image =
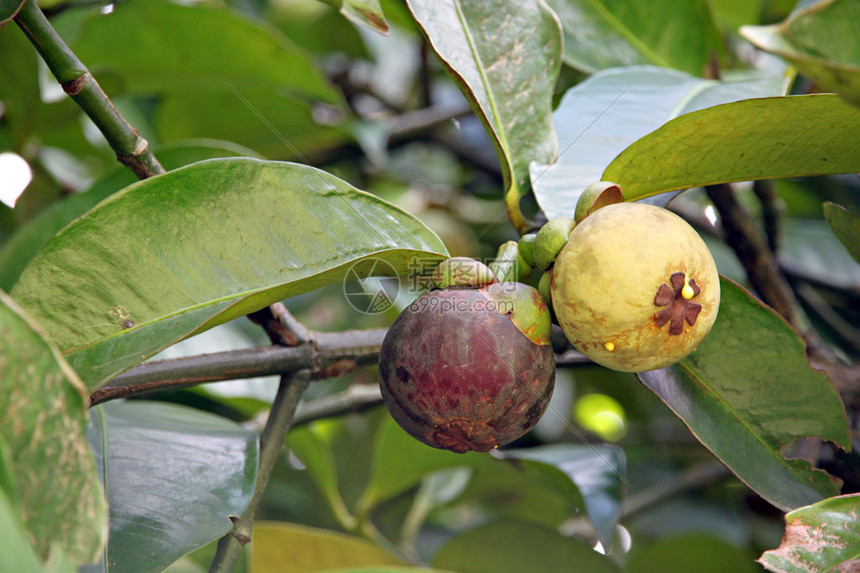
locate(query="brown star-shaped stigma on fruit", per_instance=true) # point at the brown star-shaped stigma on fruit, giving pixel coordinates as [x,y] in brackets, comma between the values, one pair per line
[677,301]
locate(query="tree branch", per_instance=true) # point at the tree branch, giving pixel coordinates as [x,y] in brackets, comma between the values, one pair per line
[131,150]
[323,354]
[752,250]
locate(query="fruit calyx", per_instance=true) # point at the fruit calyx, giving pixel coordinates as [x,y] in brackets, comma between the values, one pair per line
[461,435]
[462,272]
[678,303]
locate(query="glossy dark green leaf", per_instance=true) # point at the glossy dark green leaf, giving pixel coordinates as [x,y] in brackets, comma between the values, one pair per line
[600,117]
[602,34]
[173,475]
[699,553]
[746,410]
[764,138]
[821,41]
[29,238]
[179,253]
[846,226]
[44,430]
[8,9]
[598,473]
[514,547]
[821,537]
[291,548]
[507,75]
[193,48]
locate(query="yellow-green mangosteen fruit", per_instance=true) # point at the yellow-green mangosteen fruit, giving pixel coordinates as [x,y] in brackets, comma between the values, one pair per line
[635,288]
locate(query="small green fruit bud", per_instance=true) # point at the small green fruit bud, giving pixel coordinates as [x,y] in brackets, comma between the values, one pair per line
[551,238]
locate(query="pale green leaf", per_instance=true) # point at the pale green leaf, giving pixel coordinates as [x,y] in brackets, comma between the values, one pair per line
[44,425]
[766,138]
[600,117]
[846,226]
[291,548]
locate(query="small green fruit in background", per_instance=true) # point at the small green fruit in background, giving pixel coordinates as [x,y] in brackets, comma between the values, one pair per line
[550,240]
[635,287]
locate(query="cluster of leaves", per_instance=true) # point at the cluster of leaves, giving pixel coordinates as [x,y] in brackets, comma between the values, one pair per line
[105,272]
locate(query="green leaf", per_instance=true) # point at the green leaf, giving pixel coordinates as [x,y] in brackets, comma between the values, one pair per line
[19,90]
[821,537]
[767,138]
[602,34]
[9,9]
[747,409]
[846,226]
[597,472]
[367,13]
[17,555]
[507,75]
[44,424]
[600,117]
[388,569]
[810,246]
[173,475]
[272,123]
[290,548]
[196,247]
[821,41]
[699,553]
[511,546]
[29,238]
[400,461]
[194,48]
[315,452]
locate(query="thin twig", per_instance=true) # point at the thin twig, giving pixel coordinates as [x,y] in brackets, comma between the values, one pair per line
[131,149]
[279,422]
